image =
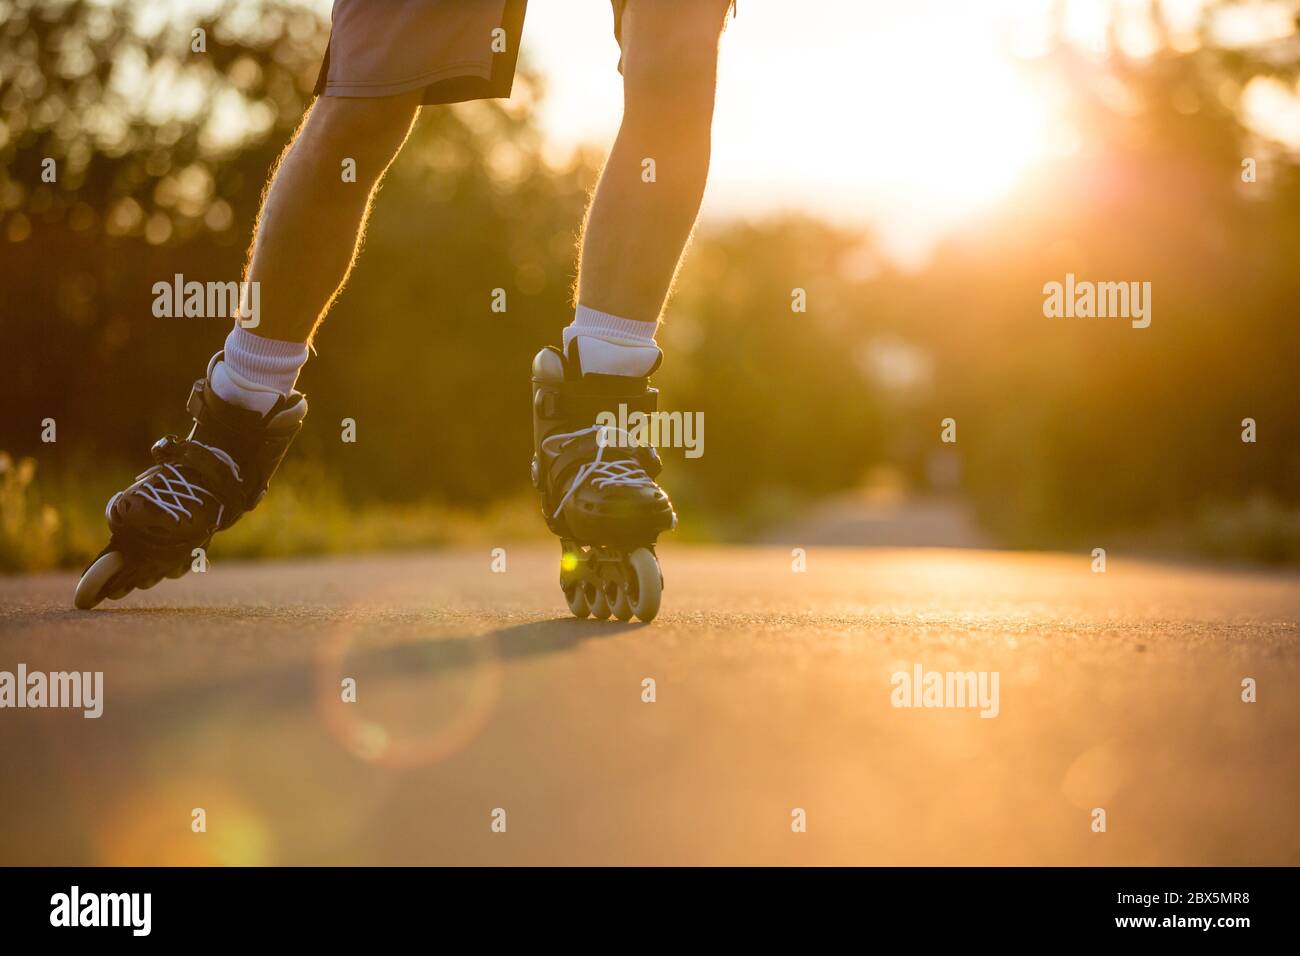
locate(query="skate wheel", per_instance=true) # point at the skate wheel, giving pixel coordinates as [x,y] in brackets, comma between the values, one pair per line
[90,589]
[577,600]
[645,584]
[621,606]
[598,602]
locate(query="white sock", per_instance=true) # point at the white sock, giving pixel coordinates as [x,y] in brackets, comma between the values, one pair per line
[608,345]
[257,371]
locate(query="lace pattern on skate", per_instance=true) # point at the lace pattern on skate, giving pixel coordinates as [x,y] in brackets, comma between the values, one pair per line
[170,495]
[601,473]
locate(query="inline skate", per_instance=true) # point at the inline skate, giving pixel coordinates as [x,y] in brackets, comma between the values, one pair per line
[197,486]
[597,487]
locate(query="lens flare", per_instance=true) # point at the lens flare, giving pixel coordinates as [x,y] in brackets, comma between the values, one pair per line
[416,702]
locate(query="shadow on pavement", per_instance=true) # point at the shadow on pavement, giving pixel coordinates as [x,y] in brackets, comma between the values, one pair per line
[519,641]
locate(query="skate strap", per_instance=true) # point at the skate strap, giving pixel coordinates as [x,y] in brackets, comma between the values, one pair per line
[584,407]
[245,436]
[240,431]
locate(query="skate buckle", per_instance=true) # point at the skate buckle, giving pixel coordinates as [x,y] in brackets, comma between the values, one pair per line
[194,405]
[164,449]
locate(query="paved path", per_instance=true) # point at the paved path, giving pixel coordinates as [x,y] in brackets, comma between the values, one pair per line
[476,691]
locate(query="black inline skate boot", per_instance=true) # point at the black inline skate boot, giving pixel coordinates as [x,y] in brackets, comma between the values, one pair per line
[198,486]
[597,487]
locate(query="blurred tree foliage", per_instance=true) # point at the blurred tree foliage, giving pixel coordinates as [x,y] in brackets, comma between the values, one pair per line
[1067,427]
[1072,427]
[162,154]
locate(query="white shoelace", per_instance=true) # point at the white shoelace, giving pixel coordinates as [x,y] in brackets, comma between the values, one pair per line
[182,489]
[602,473]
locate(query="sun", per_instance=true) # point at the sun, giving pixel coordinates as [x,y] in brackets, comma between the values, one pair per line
[906,117]
[909,116]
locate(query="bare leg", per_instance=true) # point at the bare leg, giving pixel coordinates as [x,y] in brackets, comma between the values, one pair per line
[635,230]
[312,221]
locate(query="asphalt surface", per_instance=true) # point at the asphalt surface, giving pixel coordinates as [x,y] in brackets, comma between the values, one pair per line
[477,692]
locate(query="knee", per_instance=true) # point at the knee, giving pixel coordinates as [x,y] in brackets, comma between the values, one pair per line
[370,130]
[670,58]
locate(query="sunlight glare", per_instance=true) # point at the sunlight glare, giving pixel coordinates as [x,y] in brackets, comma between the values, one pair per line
[908,116]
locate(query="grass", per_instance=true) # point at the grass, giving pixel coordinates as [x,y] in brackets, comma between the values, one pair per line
[32,532]
[58,522]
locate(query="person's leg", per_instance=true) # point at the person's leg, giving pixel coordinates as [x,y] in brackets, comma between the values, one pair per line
[306,237]
[597,481]
[636,229]
[312,220]
[246,411]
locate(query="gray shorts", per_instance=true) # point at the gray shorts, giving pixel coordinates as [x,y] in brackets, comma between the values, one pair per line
[454,50]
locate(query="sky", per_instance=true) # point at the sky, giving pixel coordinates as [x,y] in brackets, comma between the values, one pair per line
[854,110]
[908,117]
[904,116]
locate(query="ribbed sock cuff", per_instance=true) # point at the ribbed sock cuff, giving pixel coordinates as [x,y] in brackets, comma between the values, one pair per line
[269,362]
[588,321]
